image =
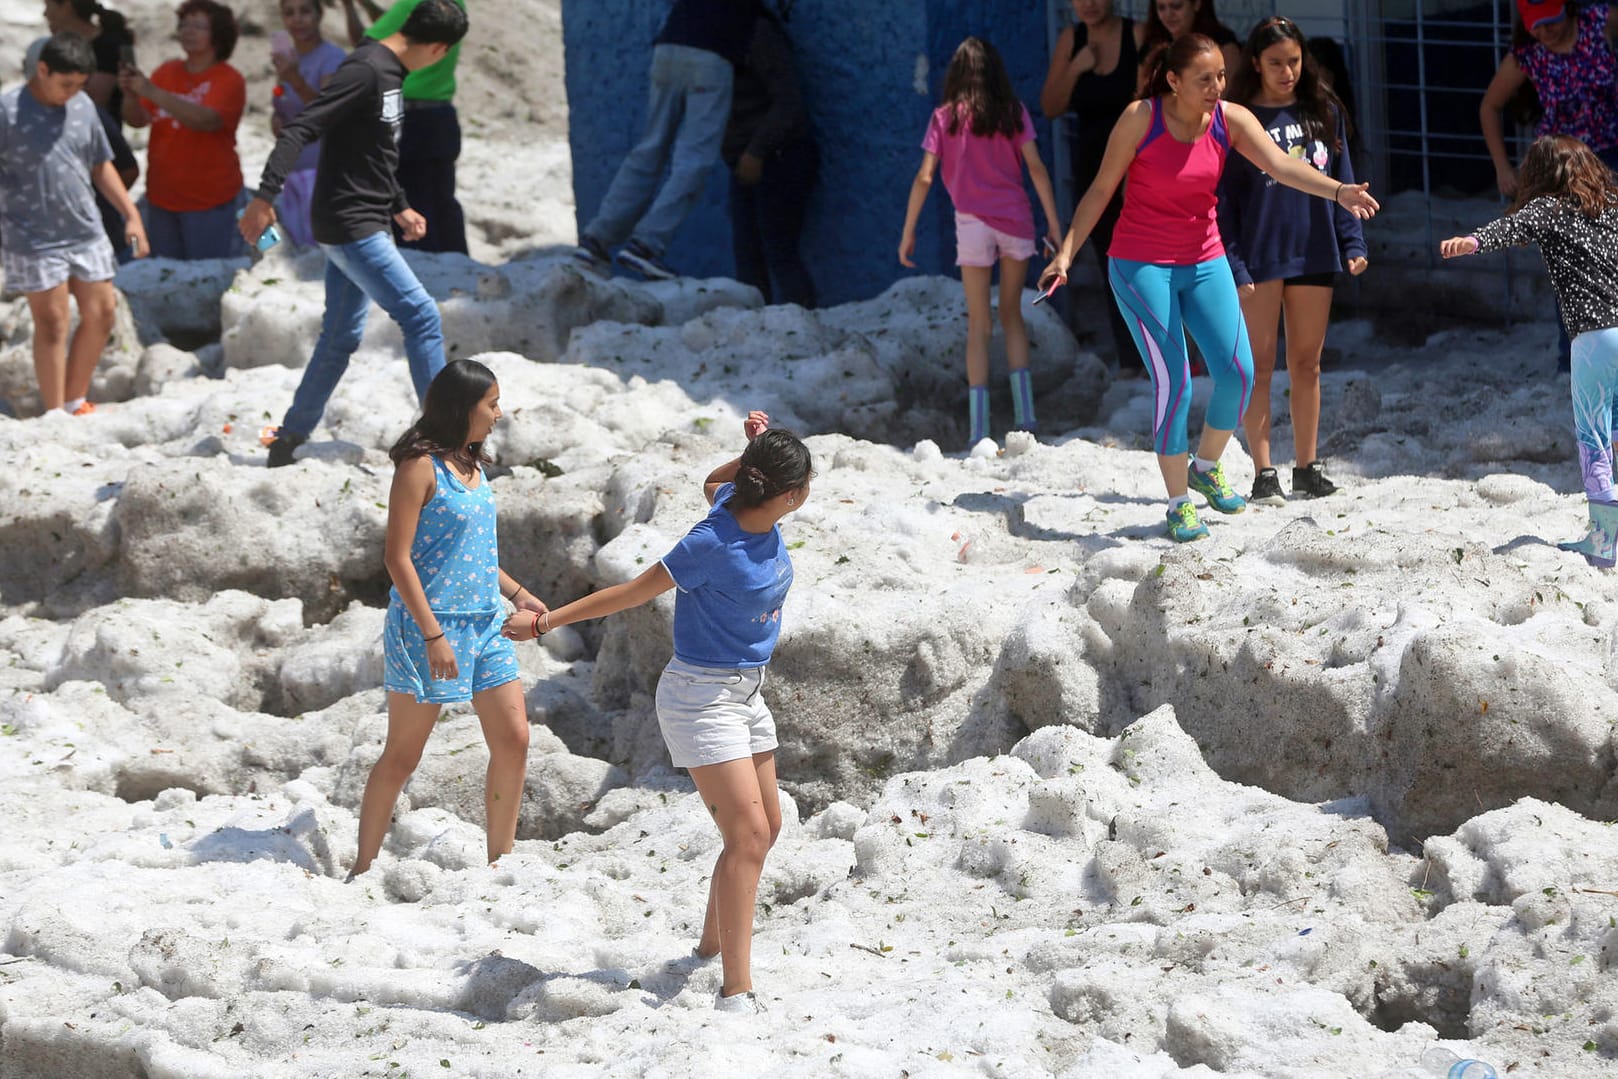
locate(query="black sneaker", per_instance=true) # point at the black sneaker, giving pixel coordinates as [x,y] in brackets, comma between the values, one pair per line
[1311,482]
[282,448]
[638,257]
[591,256]
[1267,488]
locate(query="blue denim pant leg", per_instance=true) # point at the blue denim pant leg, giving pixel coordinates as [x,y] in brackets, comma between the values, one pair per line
[357,273]
[688,102]
[341,328]
[705,81]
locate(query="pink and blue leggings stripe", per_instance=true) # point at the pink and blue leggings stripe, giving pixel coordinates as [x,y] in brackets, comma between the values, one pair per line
[1160,303]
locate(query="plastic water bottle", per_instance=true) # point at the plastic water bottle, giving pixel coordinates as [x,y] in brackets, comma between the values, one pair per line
[1439,1061]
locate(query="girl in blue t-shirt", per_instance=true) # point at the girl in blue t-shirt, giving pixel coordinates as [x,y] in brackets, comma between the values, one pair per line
[732,572]
[1285,248]
[441,642]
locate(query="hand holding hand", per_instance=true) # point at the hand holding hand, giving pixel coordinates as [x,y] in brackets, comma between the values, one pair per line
[412,224]
[441,665]
[1457,246]
[527,601]
[755,424]
[1357,265]
[258,216]
[519,626]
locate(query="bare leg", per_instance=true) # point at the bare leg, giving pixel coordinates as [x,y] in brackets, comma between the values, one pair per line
[977,280]
[504,717]
[98,305]
[52,317]
[409,724]
[741,795]
[1013,275]
[1308,310]
[1262,309]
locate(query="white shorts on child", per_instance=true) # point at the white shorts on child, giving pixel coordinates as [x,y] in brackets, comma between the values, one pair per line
[44,270]
[978,244]
[710,715]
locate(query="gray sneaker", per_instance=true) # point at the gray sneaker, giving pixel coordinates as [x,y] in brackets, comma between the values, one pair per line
[590,256]
[640,258]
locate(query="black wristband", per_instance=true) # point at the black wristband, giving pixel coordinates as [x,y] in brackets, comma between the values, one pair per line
[429,640]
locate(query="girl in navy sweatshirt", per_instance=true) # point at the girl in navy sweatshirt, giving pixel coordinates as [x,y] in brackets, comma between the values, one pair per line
[1285,248]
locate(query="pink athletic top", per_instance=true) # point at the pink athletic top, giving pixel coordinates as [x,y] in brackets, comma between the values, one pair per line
[983,173]
[1171,198]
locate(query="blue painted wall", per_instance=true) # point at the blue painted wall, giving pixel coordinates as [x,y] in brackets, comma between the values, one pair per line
[860,64]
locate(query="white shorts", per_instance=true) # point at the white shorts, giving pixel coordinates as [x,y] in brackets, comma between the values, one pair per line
[980,244]
[44,270]
[710,715]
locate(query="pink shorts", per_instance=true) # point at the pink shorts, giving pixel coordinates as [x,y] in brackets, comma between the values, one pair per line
[978,244]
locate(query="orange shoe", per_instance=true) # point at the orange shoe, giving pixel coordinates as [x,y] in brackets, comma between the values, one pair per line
[84,409]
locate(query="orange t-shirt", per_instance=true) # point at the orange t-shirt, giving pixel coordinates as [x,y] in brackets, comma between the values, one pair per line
[195,170]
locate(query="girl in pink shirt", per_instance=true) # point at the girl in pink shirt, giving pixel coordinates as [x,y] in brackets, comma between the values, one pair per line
[980,139]
[1167,263]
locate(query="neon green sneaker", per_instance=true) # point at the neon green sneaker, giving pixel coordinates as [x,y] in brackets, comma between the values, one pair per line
[1216,489]
[1184,525]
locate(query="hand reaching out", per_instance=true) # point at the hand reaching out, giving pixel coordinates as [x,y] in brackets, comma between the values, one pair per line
[1456,246]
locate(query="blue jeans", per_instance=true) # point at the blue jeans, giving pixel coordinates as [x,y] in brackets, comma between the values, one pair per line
[766,220]
[1160,303]
[686,112]
[357,273]
[194,234]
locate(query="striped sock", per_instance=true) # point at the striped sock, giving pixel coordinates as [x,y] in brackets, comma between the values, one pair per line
[1022,398]
[977,414]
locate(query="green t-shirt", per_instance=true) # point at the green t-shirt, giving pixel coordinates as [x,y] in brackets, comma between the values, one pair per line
[436,82]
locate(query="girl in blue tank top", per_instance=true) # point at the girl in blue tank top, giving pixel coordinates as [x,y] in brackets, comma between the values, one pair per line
[733,572]
[442,641]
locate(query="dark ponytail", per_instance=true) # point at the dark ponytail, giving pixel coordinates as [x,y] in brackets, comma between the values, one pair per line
[775,462]
[113,24]
[1176,57]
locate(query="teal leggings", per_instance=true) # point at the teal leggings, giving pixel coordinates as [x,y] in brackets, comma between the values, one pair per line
[1160,303]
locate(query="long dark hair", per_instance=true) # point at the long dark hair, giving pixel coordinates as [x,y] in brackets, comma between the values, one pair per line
[111,22]
[1205,23]
[1176,58]
[1317,107]
[775,462]
[446,416]
[1565,168]
[977,84]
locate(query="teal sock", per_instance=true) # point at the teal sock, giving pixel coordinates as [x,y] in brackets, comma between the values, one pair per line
[1022,398]
[977,414]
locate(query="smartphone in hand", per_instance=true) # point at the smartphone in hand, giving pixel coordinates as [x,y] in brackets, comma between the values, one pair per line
[281,44]
[126,56]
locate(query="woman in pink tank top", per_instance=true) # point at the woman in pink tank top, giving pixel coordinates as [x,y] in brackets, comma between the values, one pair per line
[1167,264]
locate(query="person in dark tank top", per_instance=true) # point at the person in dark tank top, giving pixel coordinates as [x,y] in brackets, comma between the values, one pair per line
[1092,76]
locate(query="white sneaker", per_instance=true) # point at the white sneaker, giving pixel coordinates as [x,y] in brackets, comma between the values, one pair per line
[740,1003]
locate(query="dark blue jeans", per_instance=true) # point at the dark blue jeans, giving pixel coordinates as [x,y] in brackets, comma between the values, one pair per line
[766,220]
[429,144]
